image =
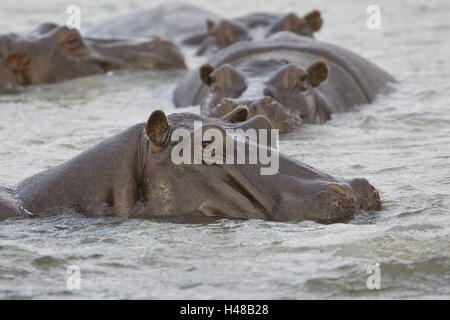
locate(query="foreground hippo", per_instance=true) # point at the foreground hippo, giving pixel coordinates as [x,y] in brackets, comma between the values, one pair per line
[288,78]
[52,54]
[132,174]
[191,25]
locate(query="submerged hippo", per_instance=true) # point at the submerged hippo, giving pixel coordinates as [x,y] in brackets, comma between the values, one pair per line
[253,26]
[288,78]
[132,174]
[52,54]
[191,25]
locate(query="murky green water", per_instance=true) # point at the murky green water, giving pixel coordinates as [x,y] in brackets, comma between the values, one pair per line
[401,144]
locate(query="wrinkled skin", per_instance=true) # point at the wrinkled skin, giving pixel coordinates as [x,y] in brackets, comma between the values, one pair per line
[132,175]
[52,54]
[288,78]
[190,25]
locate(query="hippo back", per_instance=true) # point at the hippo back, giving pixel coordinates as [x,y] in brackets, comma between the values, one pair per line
[368,77]
[174,21]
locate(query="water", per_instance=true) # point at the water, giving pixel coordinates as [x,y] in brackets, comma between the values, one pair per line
[400,144]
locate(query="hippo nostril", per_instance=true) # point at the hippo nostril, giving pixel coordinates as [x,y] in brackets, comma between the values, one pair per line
[369,198]
[339,189]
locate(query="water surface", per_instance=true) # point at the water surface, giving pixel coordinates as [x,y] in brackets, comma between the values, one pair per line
[401,144]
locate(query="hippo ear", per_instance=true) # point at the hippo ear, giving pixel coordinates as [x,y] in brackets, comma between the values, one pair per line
[158,129]
[205,74]
[314,20]
[238,114]
[318,72]
[290,22]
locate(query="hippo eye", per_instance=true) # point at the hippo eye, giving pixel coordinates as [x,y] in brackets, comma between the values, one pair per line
[73,43]
[71,39]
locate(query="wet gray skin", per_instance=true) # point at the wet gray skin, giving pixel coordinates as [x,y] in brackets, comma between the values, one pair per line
[132,175]
[52,54]
[288,78]
[208,32]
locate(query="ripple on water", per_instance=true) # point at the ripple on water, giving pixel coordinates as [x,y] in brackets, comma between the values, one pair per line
[47,262]
[400,143]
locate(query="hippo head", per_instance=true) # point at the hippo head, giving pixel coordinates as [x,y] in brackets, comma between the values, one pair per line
[52,54]
[295,192]
[284,92]
[225,32]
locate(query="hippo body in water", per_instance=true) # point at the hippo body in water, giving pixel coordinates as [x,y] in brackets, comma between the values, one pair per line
[208,32]
[54,53]
[132,175]
[51,54]
[288,78]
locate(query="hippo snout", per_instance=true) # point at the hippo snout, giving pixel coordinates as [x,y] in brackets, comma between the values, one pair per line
[331,202]
[367,196]
[344,200]
[282,118]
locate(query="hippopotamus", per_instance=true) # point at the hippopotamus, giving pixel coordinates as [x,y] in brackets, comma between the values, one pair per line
[253,26]
[288,78]
[132,174]
[191,25]
[53,53]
